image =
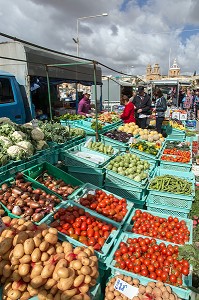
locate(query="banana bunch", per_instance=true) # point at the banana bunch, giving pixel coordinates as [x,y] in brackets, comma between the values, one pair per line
[176,125]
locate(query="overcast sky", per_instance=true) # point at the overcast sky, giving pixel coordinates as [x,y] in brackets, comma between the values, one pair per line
[135,32]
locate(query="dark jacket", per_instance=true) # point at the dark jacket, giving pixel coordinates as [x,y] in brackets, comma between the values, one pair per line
[143,103]
[161,107]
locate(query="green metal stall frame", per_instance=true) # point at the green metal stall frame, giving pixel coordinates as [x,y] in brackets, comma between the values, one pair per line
[94,63]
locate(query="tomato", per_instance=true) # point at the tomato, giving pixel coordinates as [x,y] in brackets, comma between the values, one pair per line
[172,278]
[124,249]
[92,241]
[185,271]
[185,263]
[152,275]
[90,233]
[136,269]
[122,265]
[144,272]
[164,276]
[151,268]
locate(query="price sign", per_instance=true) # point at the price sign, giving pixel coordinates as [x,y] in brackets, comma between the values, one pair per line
[125,288]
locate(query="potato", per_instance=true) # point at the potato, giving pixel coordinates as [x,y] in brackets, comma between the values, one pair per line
[65,283]
[77,250]
[87,279]
[51,238]
[85,261]
[44,246]
[84,288]
[18,251]
[58,296]
[6,256]
[88,251]
[49,284]
[63,272]
[15,276]
[51,250]
[27,278]
[54,290]
[157,292]
[165,295]
[14,261]
[25,259]
[70,293]
[36,271]
[148,290]
[7,271]
[62,263]
[37,241]
[76,264]
[110,296]
[47,271]
[78,280]
[14,295]
[2,264]
[21,286]
[25,296]
[38,281]
[6,219]
[60,249]
[32,290]
[45,256]
[67,247]
[36,255]
[29,246]
[24,269]
[76,297]
[86,270]
[42,295]
[5,245]
[86,297]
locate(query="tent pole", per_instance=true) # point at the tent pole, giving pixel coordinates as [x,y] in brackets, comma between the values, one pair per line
[108,92]
[100,97]
[76,97]
[49,95]
[95,94]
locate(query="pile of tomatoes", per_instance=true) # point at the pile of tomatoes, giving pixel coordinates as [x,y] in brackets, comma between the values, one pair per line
[145,257]
[176,155]
[81,226]
[171,229]
[107,205]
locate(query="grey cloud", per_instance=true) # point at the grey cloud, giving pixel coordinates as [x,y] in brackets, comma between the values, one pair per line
[114,30]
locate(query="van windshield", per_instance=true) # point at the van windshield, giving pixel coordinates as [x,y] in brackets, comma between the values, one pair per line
[6,93]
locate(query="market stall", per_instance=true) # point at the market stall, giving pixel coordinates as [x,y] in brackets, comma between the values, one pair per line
[111,219]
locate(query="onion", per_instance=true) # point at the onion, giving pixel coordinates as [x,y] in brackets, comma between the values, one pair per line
[16,210]
[4,187]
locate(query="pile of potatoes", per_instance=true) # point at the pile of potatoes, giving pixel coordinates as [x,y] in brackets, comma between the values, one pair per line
[34,263]
[153,290]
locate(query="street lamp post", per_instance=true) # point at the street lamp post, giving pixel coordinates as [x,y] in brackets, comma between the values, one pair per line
[82,18]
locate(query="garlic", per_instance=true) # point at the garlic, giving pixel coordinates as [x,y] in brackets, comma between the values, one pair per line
[16,210]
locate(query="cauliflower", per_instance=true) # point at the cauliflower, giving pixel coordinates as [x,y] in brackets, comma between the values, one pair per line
[27,147]
[28,125]
[5,142]
[16,152]
[18,136]
[41,145]
[5,120]
[37,134]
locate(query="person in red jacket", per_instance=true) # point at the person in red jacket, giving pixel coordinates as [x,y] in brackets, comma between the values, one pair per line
[128,114]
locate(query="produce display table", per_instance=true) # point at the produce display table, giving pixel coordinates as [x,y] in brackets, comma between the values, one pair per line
[75,203]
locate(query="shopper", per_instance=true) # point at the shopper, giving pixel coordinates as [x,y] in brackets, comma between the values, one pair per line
[142,104]
[84,106]
[160,109]
[128,114]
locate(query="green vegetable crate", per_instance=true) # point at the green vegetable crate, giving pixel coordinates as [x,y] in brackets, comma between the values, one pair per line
[80,156]
[85,125]
[146,156]
[109,243]
[183,293]
[122,147]
[34,172]
[89,188]
[35,185]
[92,175]
[171,199]
[176,137]
[165,209]
[69,145]
[129,223]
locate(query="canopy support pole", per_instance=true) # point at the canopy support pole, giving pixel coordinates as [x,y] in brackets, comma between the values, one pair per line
[95,94]
[49,95]
[100,97]
[108,93]
[76,102]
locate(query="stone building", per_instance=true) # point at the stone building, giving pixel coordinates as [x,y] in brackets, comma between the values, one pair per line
[174,70]
[153,73]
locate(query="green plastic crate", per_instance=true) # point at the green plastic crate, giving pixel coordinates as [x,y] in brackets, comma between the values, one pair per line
[187,280]
[87,127]
[109,243]
[69,122]
[146,156]
[72,160]
[173,211]
[176,137]
[122,147]
[171,199]
[129,223]
[33,173]
[94,176]
[35,185]
[89,188]
[132,194]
